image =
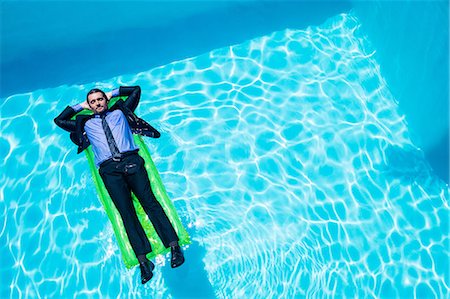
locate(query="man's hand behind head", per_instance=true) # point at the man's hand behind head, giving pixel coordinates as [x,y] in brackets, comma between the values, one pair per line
[85,105]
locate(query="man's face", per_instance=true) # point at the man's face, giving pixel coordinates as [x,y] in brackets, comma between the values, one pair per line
[97,102]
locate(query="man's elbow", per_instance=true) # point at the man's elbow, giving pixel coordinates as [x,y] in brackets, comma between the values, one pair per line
[137,90]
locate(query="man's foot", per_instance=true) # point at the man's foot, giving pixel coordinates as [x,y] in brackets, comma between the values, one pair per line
[146,271]
[177,258]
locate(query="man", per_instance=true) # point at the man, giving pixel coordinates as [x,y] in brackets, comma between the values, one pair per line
[109,131]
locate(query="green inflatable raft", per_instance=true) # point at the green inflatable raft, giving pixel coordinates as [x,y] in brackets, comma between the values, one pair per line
[128,255]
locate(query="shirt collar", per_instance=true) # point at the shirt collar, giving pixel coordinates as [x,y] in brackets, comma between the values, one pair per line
[98,115]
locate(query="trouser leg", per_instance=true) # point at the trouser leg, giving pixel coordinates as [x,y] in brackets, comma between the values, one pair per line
[120,194]
[140,185]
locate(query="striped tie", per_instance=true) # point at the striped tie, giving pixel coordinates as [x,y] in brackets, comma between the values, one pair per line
[110,138]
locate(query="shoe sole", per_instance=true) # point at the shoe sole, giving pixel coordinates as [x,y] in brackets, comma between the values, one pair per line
[144,281]
[152,267]
[177,265]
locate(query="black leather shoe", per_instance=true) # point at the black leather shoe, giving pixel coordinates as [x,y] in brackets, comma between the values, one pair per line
[146,271]
[177,258]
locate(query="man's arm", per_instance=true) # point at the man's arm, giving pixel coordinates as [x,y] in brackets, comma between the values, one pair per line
[133,93]
[64,119]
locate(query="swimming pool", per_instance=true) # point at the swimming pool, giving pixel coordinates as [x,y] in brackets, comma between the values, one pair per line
[286,155]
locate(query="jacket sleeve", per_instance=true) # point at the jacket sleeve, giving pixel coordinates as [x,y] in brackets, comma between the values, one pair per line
[155,133]
[64,120]
[133,93]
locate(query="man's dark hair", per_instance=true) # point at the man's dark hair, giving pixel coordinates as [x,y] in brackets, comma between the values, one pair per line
[94,90]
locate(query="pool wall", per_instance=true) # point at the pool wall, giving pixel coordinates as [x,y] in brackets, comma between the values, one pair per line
[411,43]
[101,39]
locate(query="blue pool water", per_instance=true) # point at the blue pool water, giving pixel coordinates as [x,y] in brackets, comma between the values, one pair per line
[287,157]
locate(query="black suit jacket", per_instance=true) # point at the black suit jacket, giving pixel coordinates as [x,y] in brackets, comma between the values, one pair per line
[137,125]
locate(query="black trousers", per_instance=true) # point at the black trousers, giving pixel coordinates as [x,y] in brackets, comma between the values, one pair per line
[122,177]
